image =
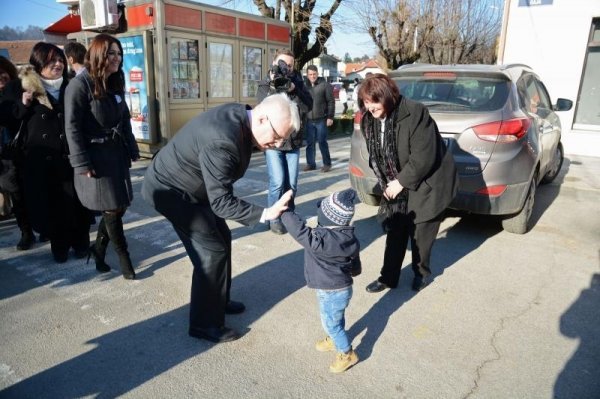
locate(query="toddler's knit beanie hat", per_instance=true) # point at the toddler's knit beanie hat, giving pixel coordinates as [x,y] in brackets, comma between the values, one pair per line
[337,209]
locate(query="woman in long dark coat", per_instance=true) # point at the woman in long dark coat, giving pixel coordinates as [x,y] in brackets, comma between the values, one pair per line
[416,173]
[52,204]
[102,145]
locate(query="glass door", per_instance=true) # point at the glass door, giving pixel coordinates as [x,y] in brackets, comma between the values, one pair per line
[220,70]
[251,65]
[587,115]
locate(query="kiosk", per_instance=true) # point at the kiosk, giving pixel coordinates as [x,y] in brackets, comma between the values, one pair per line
[182,58]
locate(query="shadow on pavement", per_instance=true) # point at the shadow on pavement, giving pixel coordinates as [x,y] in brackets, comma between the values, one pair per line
[546,194]
[580,378]
[452,245]
[124,359]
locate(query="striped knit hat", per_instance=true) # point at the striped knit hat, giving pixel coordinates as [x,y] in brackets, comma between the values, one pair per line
[337,209]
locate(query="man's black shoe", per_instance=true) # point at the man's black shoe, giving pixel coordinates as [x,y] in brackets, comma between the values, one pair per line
[234,307]
[214,334]
[376,286]
[26,241]
[421,282]
[80,253]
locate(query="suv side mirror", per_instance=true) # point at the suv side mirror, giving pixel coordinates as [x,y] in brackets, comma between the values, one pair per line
[562,104]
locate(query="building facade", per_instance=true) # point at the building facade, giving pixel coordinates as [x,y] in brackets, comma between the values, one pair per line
[560,40]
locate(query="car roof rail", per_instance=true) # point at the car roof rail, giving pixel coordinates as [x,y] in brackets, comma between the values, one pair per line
[515,65]
[414,64]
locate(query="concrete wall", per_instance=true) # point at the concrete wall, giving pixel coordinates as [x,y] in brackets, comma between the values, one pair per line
[553,39]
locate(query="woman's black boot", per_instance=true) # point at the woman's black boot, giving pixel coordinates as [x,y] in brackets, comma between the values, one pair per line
[27,240]
[114,227]
[98,250]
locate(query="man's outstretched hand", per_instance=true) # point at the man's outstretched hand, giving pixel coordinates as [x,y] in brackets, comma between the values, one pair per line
[279,207]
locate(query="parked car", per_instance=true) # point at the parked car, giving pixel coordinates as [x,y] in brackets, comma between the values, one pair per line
[500,125]
[336,89]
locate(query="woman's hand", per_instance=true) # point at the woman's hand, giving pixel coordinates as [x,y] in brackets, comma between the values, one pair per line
[392,190]
[27,98]
[279,207]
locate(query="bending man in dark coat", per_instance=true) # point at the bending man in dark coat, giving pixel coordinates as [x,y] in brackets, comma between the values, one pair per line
[190,182]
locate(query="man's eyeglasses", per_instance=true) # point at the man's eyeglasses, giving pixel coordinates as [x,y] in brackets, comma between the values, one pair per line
[277,135]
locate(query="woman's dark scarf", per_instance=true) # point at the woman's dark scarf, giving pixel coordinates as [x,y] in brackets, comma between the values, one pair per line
[383,159]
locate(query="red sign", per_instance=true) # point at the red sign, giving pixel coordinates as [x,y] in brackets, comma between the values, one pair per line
[136,76]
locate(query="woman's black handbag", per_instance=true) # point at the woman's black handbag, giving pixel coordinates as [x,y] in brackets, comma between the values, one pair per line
[392,209]
[13,148]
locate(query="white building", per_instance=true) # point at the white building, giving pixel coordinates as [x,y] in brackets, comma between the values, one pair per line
[560,40]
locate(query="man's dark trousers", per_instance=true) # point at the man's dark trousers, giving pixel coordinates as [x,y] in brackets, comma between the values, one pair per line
[207,240]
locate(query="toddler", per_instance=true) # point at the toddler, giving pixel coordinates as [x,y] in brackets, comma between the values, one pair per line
[331,258]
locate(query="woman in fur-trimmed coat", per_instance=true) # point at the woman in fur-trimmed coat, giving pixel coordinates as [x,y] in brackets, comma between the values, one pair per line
[37,100]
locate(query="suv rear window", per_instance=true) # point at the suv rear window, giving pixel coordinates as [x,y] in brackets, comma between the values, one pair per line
[455,93]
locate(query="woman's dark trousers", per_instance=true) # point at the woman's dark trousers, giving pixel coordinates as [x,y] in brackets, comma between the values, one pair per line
[421,235]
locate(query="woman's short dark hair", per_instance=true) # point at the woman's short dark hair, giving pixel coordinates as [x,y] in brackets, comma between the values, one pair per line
[8,67]
[43,54]
[379,88]
[96,60]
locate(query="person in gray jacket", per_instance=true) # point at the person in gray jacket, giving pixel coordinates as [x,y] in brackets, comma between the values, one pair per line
[190,181]
[319,118]
[102,145]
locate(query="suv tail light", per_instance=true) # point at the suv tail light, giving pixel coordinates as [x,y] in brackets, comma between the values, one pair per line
[505,131]
[357,117]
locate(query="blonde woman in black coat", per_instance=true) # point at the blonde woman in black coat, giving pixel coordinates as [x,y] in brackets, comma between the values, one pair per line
[102,146]
[38,102]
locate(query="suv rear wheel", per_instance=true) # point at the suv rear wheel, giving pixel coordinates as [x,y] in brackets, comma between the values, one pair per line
[519,222]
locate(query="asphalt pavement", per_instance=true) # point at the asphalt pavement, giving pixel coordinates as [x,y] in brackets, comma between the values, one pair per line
[507,316]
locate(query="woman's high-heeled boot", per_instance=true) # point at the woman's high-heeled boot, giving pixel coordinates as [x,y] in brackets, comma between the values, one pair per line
[114,227]
[98,250]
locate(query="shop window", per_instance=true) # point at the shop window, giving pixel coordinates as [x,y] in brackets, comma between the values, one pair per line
[185,76]
[221,70]
[251,70]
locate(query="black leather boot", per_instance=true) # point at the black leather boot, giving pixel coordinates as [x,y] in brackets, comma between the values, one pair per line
[98,250]
[114,227]
[27,240]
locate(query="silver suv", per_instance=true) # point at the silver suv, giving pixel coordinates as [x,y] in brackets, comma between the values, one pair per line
[500,125]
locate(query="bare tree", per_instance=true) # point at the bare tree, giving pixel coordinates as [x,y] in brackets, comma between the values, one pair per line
[301,14]
[393,27]
[461,32]
[431,31]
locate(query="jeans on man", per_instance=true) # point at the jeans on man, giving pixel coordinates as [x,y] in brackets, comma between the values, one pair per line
[317,130]
[332,304]
[282,167]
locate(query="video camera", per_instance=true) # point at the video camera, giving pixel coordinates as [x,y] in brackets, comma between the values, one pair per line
[281,77]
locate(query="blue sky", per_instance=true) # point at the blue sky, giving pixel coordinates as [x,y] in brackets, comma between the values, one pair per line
[22,13]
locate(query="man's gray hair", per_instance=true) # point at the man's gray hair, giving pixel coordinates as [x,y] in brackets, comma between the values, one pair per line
[279,107]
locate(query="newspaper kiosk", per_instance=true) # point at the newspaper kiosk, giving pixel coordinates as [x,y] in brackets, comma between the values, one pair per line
[182,58]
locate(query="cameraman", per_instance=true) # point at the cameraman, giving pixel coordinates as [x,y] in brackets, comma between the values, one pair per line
[283,162]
